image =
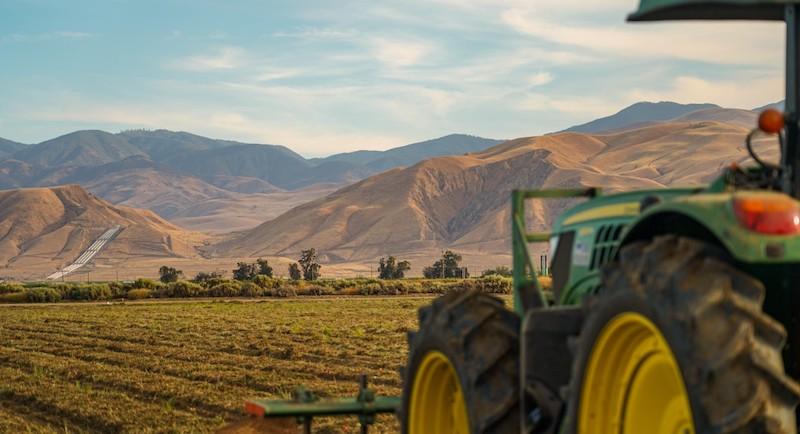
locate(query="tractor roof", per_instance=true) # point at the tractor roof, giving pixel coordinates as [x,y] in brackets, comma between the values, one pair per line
[657,10]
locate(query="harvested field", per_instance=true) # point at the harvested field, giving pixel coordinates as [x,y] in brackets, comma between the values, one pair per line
[189,366]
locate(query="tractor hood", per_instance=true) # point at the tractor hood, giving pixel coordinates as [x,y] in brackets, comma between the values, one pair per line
[659,10]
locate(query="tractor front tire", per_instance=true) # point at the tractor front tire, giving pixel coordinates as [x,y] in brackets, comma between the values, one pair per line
[463,368]
[677,343]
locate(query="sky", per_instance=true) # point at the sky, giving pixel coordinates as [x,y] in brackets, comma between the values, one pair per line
[331,76]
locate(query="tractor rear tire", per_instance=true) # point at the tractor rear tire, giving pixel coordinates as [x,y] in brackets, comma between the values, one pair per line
[473,339]
[727,351]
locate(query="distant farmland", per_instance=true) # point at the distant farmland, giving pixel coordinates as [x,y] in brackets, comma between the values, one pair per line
[189,366]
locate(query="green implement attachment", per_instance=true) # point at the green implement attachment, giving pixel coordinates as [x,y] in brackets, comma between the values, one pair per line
[305,405]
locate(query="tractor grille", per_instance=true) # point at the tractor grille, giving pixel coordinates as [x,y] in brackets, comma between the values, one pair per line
[606,243]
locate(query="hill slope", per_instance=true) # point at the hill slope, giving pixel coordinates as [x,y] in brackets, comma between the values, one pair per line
[81,148]
[8,147]
[46,228]
[378,161]
[462,202]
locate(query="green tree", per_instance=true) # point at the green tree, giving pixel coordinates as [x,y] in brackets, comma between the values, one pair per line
[294,271]
[497,271]
[449,266]
[244,271]
[169,274]
[264,269]
[389,268]
[308,262]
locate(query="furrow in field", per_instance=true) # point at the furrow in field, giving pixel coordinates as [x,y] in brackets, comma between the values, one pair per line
[19,418]
[94,410]
[191,397]
[269,357]
[261,374]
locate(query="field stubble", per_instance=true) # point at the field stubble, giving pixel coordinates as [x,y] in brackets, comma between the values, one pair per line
[188,367]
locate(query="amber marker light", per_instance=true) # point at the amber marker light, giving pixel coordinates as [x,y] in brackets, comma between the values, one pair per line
[770,121]
[768,214]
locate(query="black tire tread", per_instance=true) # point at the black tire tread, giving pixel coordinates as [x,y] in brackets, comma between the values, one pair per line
[728,348]
[463,323]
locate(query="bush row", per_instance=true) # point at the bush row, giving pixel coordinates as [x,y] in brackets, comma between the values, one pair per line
[260,286]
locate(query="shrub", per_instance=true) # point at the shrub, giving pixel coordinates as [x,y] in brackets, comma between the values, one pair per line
[180,289]
[146,284]
[227,289]
[250,289]
[213,282]
[203,277]
[10,288]
[497,271]
[284,291]
[315,290]
[118,289]
[267,282]
[14,297]
[42,295]
[92,291]
[371,289]
[139,294]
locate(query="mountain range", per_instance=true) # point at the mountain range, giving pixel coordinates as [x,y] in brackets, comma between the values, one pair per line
[412,201]
[461,202]
[175,173]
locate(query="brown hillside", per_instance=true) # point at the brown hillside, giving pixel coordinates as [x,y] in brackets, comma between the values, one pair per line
[462,202]
[47,228]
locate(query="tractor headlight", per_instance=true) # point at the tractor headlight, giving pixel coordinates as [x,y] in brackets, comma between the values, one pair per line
[766,213]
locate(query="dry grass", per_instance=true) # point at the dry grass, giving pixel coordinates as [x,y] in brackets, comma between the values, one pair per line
[189,366]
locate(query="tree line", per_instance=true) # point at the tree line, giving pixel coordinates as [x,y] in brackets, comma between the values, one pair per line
[308,268]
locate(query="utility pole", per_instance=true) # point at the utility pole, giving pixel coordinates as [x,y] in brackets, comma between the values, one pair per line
[442,264]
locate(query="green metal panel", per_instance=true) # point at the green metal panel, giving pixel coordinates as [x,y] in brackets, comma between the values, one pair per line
[714,211]
[657,10]
[594,245]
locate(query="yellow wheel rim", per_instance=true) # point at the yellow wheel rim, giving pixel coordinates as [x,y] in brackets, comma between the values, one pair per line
[632,383]
[437,402]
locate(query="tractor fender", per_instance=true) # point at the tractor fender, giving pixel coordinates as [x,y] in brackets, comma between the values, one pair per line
[710,218]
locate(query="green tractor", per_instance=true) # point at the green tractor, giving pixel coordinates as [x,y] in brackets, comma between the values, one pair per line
[672,311]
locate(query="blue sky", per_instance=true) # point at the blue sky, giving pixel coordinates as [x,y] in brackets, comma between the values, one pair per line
[329,76]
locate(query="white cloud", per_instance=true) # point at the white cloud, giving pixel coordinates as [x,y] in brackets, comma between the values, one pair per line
[398,53]
[28,37]
[744,92]
[727,43]
[322,33]
[541,79]
[575,106]
[222,58]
